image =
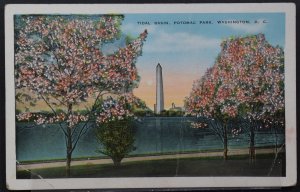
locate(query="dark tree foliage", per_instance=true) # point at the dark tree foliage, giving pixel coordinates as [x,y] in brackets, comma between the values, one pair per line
[116,139]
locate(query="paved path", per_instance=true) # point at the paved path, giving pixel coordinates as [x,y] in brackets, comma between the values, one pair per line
[143,158]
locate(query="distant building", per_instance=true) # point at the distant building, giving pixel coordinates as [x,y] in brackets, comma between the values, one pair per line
[174,108]
[173,105]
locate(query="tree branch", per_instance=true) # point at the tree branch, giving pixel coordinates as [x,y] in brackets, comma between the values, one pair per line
[216,130]
[81,132]
[64,131]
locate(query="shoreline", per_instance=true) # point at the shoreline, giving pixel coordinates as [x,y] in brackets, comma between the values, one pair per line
[232,152]
[25,162]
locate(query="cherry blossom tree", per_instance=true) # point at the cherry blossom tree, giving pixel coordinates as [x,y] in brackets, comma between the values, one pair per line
[208,105]
[247,81]
[58,59]
[259,72]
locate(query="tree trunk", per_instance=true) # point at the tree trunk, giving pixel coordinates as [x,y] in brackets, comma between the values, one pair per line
[276,148]
[117,162]
[225,155]
[252,144]
[69,144]
[68,165]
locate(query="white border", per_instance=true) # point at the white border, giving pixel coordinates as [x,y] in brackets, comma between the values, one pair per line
[161,182]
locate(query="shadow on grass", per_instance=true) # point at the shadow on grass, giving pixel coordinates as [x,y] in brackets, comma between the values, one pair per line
[186,167]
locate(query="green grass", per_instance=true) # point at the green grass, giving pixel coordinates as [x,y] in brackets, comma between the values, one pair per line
[131,155]
[204,166]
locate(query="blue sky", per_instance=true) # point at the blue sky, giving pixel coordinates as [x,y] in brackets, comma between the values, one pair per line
[185,51]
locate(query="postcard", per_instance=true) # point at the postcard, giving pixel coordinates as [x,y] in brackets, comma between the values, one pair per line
[154,96]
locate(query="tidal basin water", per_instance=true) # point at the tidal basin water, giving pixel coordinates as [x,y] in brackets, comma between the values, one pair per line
[153,135]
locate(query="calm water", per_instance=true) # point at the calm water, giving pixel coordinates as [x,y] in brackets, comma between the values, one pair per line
[153,135]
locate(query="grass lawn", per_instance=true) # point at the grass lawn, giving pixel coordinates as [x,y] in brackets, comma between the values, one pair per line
[204,166]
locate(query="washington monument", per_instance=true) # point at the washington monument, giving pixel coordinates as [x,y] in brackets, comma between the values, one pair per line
[159,90]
